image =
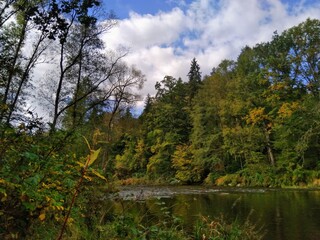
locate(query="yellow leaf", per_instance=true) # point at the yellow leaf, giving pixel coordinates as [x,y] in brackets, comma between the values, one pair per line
[80,164]
[256,115]
[87,142]
[88,178]
[98,174]
[4,198]
[57,217]
[93,156]
[59,208]
[42,216]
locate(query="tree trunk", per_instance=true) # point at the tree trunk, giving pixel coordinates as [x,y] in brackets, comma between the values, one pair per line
[269,148]
[58,92]
[13,65]
[24,78]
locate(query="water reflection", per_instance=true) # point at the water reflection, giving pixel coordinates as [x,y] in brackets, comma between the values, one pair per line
[284,214]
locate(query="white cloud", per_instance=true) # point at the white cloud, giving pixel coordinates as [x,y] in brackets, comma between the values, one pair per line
[140,31]
[210,30]
[157,62]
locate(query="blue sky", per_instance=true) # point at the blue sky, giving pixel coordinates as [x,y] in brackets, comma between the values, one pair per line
[122,8]
[163,36]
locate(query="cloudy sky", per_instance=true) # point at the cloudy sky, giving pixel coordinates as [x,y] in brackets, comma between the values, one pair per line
[163,36]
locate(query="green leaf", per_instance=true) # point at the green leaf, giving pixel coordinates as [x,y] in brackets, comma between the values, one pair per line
[29,206]
[34,180]
[30,156]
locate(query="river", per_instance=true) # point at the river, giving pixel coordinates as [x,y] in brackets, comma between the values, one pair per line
[283,214]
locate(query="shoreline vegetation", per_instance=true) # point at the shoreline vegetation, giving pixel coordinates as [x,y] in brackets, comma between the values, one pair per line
[254,121]
[232,180]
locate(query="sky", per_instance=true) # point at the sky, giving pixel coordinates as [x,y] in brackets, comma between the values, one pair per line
[163,36]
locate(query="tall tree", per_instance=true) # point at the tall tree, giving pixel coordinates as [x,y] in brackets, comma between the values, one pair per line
[206,137]
[166,124]
[76,12]
[85,73]
[194,78]
[17,62]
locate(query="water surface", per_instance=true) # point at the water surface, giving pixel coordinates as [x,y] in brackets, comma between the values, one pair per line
[283,214]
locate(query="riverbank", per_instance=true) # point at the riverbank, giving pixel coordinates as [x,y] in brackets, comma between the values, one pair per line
[265,178]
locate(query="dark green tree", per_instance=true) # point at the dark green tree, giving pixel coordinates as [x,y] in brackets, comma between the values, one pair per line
[194,78]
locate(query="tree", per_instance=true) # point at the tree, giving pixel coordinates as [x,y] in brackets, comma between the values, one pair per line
[17,65]
[169,111]
[182,162]
[194,78]
[53,20]
[124,81]
[9,8]
[297,93]
[77,13]
[206,136]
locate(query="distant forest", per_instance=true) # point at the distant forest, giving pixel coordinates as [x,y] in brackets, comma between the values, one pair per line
[254,121]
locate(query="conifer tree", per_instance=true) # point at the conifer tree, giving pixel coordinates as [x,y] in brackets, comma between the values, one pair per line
[194,78]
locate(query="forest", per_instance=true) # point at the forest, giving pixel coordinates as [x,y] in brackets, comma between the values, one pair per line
[254,121]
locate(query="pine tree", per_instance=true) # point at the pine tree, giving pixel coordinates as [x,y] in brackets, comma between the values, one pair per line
[194,78]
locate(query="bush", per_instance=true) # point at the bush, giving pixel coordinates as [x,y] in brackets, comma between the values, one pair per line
[39,176]
[219,228]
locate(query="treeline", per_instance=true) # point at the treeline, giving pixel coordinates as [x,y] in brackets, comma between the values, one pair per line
[253,121]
